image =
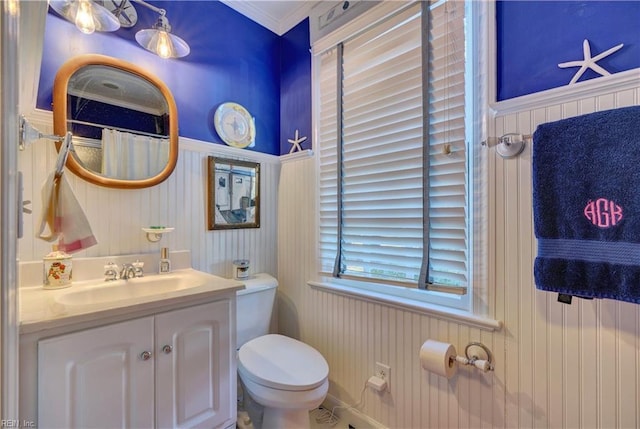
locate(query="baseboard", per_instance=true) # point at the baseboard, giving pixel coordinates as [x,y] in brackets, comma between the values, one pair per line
[351,416]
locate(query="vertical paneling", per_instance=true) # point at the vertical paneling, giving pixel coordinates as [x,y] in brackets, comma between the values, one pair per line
[117,216]
[556,365]
[497,206]
[627,368]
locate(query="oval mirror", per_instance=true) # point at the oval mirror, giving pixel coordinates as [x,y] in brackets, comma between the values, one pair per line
[123,119]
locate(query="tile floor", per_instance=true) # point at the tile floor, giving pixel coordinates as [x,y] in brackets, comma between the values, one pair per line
[320,419]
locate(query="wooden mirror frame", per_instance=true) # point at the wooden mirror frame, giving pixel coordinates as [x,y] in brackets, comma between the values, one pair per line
[60,86]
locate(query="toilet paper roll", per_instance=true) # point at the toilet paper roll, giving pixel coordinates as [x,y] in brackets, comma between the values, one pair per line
[439,358]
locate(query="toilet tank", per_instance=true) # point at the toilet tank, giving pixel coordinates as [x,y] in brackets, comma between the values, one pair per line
[254,307]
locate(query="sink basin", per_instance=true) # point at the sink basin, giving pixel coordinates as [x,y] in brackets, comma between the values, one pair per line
[100,292]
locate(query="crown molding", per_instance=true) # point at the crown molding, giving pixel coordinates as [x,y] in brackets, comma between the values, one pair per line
[293,18]
[299,10]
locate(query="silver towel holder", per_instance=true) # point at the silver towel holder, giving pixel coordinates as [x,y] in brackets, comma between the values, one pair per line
[29,134]
[508,145]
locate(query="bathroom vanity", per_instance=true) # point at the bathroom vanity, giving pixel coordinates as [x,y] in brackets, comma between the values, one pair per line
[129,357]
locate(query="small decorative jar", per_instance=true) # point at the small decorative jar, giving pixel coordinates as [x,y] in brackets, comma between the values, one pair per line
[57,270]
[241,269]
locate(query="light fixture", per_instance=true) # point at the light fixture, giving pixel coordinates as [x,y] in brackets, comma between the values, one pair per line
[97,15]
[159,39]
[87,15]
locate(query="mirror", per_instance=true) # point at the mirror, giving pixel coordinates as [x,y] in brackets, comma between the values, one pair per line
[123,119]
[233,193]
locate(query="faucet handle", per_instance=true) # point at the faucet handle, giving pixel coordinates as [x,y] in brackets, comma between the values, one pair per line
[138,268]
[110,271]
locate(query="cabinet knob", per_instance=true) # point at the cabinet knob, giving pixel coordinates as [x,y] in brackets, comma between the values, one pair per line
[167,349]
[145,355]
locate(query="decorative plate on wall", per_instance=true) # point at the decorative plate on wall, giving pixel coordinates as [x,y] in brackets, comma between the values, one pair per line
[234,125]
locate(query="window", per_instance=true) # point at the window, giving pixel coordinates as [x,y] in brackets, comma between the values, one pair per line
[394,120]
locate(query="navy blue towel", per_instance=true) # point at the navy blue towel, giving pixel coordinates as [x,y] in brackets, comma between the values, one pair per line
[586,205]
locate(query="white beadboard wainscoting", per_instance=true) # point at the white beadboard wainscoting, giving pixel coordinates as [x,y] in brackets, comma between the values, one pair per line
[557,366]
[117,215]
[571,366]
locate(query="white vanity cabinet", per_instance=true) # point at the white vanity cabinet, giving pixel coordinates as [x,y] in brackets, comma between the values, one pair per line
[169,370]
[195,367]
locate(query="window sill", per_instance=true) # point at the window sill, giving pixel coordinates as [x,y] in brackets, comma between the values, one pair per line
[451,314]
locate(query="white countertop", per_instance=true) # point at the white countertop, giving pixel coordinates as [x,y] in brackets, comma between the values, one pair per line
[42,309]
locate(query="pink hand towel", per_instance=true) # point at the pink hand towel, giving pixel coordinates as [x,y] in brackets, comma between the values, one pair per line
[63,216]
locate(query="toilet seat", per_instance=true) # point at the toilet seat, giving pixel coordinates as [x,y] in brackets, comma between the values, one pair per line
[282,363]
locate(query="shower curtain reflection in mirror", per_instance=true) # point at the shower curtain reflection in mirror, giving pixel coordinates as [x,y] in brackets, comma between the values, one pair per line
[132,156]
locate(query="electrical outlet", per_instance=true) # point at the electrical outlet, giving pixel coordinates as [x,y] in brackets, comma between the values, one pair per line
[384,371]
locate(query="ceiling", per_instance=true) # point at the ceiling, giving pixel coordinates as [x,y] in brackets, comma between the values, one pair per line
[278,16]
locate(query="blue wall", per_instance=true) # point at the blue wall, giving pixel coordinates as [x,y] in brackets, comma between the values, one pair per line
[295,108]
[535,36]
[232,59]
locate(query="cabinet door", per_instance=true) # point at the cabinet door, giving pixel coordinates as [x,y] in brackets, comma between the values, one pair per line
[97,378]
[195,378]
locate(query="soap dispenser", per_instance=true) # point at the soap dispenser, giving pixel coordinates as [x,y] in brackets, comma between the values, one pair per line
[165,263]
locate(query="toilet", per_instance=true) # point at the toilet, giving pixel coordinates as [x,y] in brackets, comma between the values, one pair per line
[288,378]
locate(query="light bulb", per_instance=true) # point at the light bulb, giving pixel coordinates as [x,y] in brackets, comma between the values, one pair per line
[84,17]
[164,47]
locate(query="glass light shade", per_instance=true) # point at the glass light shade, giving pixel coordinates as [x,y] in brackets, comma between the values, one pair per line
[84,17]
[162,43]
[88,15]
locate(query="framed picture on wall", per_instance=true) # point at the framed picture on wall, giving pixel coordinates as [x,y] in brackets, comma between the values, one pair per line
[233,193]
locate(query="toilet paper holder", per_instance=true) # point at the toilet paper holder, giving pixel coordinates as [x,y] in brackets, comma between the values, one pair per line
[442,359]
[478,355]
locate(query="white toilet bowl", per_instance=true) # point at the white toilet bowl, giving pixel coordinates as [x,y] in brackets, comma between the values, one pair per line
[287,377]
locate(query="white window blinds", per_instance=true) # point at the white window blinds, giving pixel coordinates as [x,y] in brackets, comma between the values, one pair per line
[372,156]
[448,184]
[328,154]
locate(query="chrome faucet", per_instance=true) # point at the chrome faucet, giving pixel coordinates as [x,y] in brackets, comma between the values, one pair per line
[128,271]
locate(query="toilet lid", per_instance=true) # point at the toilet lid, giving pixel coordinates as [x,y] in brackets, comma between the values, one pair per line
[282,363]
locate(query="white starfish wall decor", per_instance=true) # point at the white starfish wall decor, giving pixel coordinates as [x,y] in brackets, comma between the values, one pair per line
[589,62]
[296,143]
